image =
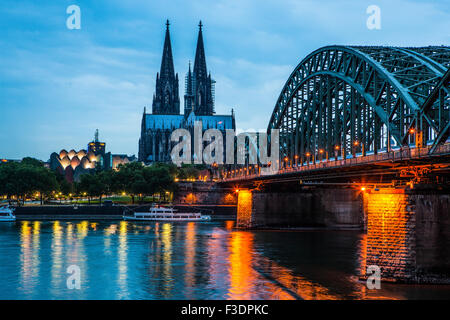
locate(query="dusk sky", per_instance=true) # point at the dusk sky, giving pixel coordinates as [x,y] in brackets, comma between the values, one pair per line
[58,85]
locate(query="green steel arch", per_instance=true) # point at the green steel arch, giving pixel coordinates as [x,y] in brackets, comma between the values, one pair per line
[354,99]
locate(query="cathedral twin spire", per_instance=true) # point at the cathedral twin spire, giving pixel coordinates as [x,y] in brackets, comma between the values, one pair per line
[202,83]
[166,99]
[199,85]
[167,69]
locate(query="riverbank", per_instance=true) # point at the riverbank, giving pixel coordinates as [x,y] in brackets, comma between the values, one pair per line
[97,212]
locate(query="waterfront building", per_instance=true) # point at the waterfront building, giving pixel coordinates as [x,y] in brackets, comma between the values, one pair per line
[97,147]
[157,127]
[73,164]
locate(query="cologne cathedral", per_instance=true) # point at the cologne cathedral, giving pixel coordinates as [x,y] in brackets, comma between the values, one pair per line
[157,127]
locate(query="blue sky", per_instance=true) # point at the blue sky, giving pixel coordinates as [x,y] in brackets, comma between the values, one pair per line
[58,85]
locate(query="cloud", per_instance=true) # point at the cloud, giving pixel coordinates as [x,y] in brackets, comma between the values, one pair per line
[58,86]
[247,86]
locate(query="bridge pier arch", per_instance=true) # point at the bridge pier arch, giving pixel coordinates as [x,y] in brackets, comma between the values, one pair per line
[318,207]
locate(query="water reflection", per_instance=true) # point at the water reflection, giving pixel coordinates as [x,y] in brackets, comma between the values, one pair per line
[251,272]
[123,260]
[295,286]
[166,238]
[57,259]
[229,225]
[29,258]
[190,246]
[241,274]
[217,266]
[107,233]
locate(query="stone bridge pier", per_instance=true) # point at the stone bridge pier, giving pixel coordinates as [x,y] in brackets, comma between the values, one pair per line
[307,207]
[408,234]
[407,230]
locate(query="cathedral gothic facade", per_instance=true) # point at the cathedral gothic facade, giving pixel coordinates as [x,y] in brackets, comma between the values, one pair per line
[157,127]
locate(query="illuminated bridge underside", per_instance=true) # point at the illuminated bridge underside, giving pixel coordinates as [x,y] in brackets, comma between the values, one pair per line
[353,100]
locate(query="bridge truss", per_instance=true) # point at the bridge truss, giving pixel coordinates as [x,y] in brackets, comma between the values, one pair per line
[344,100]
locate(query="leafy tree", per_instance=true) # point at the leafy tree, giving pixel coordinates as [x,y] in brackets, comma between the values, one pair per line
[32,162]
[106,179]
[188,172]
[46,183]
[92,185]
[26,178]
[127,179]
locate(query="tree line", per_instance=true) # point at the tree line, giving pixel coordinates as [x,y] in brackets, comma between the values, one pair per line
[133,179]
[23,180]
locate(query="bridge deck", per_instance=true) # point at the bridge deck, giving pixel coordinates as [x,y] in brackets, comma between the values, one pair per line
[375,164]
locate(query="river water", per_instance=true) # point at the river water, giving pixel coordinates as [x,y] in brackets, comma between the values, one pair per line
[207,260]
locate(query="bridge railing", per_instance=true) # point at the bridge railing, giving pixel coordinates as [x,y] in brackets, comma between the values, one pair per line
[394,155]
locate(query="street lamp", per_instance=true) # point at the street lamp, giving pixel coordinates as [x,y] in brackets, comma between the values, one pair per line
[355,145]
[411,131]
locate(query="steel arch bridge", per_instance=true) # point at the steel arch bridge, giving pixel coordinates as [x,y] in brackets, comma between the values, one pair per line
[343,100]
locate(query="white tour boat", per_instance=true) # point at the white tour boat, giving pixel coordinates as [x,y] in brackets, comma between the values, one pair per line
[157,213]
[6,214]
